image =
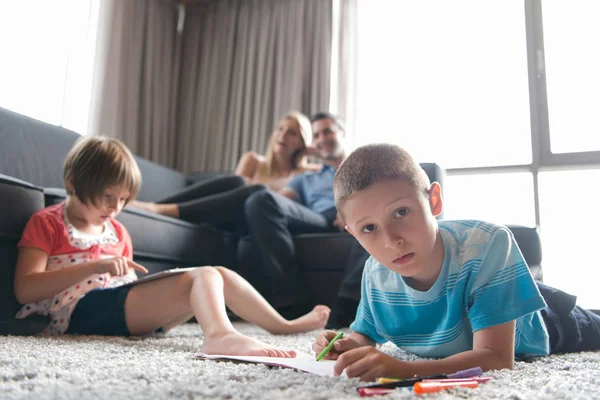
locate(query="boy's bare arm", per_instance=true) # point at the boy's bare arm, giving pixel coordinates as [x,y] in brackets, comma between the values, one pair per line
[493,348]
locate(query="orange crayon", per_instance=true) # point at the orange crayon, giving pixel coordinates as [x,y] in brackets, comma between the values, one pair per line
[430,387]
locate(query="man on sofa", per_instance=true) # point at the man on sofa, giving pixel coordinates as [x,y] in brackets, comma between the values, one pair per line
[305,205]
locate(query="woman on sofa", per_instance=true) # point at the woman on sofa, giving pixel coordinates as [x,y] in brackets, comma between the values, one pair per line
[220,200]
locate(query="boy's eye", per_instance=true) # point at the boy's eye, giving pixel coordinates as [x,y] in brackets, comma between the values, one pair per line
[401,212]
[368,228]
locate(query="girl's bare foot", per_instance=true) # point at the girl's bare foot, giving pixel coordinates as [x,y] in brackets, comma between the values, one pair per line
[236,344]
[316,319]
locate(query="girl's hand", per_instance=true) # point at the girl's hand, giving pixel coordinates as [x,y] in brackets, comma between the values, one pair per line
[117,266]
[368,364]
[344,344]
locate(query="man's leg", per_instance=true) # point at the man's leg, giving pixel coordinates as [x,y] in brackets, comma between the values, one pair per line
[272,219]
[346,303]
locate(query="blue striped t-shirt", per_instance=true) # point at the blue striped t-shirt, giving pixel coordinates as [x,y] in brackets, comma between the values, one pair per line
[484,281]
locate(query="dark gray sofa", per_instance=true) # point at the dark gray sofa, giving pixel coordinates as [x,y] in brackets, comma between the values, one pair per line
[31,158]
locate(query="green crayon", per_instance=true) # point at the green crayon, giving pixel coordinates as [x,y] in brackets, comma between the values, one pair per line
[327,348]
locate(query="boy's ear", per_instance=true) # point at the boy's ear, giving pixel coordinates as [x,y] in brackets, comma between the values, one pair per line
[436,203]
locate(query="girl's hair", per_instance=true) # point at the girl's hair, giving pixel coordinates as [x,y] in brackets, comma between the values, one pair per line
[299,158]
[96,163]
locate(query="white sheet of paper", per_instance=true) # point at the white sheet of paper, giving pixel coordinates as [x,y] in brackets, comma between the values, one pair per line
[302,362]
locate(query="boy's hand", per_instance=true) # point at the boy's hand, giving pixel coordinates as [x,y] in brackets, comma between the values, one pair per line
[368,364]
[344,344]
[117,266]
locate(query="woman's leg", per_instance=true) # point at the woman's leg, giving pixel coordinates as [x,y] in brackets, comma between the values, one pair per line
[218,208]
[169,205]
[205,188]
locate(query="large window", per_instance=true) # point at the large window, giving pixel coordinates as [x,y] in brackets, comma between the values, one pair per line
[445,79]
[571,33]
[47,52]
[503,95]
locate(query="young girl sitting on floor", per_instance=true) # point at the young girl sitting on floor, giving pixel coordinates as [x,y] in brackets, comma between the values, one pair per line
[74,259]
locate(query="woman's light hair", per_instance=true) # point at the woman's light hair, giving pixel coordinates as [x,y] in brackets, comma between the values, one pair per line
[299,159]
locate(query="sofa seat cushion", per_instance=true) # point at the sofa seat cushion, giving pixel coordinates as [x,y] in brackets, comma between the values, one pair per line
[167,242]
[158,180]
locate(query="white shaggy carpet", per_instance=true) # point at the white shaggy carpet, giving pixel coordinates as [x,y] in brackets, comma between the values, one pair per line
[162,367]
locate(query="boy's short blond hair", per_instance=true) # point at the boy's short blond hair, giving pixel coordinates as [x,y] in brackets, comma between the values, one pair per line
[96,163]
[373,163]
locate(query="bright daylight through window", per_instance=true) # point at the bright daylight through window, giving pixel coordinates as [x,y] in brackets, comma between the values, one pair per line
[51,54]
[449,82]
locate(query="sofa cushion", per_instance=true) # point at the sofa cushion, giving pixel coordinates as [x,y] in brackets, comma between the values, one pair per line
[158,181]
[161,242]
[32,150]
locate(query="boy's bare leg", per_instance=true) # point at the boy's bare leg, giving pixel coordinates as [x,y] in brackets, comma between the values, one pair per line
[155,304]
[248,304]
[170,210]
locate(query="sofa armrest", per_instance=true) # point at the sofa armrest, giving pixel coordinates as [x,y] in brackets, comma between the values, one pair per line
[18,201]
[54,196]
[528,240]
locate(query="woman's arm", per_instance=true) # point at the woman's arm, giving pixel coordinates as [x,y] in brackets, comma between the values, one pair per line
[248,165]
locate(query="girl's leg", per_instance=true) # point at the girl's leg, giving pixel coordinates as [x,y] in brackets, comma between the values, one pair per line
[162,302]
[248,304]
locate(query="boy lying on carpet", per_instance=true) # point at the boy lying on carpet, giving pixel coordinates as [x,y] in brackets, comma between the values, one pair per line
[458,291]
[74,259]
